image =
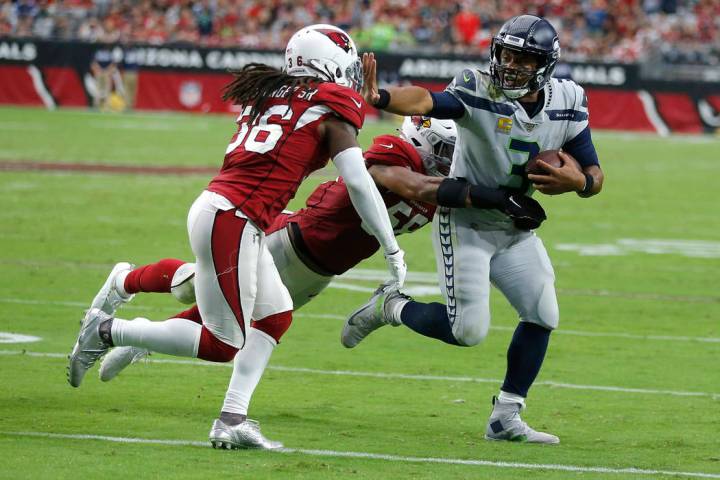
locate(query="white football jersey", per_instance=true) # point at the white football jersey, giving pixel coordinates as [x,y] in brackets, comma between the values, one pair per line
[496,138]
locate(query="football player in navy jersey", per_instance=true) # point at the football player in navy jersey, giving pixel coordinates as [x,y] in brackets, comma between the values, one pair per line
[504,118]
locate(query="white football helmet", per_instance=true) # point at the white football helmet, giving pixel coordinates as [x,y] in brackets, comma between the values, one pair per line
[434,140]
[325,52]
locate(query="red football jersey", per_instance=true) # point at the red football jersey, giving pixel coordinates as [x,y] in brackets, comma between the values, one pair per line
[267,160]
[332,229]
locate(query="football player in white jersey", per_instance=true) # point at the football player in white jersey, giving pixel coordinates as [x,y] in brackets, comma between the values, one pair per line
[504,118]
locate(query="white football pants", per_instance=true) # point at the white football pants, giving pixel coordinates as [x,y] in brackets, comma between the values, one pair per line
[469,258]
[302,283]
[235,276]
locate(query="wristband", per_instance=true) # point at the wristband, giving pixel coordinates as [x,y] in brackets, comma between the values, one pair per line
[485,197]
[384,99]
[589,183]
[452,193]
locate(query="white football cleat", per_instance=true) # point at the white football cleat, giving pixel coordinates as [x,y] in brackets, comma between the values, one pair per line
[245,435]
[505,424]
[371,316]
[108,299]
[182,285]
[88,348]
[118,359]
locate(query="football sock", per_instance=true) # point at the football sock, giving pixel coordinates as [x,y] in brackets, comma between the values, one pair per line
[429,319]
[175,336]
[525,356]
[506,397]
[232,418]
[155,277]
[248,367]
[393,307]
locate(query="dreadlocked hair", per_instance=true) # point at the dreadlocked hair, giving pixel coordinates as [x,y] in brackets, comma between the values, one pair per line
[255,84]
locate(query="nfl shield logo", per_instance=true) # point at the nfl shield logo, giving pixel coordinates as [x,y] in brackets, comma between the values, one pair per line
[190,94]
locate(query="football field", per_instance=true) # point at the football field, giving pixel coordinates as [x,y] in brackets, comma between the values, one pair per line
[631,382]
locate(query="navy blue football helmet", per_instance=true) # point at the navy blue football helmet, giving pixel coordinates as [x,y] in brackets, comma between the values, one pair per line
[524,34]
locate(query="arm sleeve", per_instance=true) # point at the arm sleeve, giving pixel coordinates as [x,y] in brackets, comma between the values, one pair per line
[446,106]
[450,103]
[582,149]
[365,197]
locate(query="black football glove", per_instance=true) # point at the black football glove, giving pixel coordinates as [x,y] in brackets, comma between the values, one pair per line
[525,212]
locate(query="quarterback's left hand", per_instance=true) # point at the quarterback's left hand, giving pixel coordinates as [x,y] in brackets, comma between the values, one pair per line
[567,178]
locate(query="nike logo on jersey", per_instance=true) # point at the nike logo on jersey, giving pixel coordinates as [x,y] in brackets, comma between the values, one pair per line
[386,146]
[357,104]
[514,202]
[465,77]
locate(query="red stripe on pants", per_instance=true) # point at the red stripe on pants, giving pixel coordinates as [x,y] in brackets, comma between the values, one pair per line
[225,244]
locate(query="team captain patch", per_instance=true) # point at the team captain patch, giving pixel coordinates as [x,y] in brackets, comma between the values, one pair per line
[504,125]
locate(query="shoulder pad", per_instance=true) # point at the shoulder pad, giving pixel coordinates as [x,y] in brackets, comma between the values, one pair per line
[466,79]
[345,102]
[393,150]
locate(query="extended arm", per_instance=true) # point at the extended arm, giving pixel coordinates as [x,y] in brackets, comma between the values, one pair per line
[408,184]
[449,192]
[366,199]
[403,100]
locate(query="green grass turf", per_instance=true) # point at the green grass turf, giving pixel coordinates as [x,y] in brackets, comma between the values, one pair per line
[60,234]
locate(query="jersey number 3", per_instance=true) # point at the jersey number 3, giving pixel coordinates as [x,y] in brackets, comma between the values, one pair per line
[528,150]
[263,136]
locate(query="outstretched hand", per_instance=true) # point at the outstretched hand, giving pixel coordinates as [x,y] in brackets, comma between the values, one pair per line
[369,90]
[567,178]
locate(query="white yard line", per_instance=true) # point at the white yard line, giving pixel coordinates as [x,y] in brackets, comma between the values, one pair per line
[395,376]
[378,456]
[561,331]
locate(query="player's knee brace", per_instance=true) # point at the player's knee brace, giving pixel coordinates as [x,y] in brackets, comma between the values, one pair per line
[214,350]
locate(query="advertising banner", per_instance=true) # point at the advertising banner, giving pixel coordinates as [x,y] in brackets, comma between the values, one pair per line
[188,78]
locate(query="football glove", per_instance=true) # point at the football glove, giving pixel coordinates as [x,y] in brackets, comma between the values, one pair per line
[396,265]
[525,212]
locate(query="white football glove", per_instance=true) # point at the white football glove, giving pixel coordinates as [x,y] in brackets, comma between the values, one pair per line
[396,265]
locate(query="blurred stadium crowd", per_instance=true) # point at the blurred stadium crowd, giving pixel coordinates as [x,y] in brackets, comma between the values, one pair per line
[672,31]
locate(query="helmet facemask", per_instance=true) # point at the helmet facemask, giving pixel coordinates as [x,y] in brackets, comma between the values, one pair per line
[519,40]
[437,163]
[516,81]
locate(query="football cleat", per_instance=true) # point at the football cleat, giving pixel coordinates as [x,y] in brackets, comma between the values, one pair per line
[371,316]
[118,359]
[505,424]
[88,348]
[108,299]
[245,435]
